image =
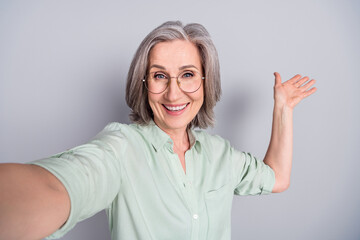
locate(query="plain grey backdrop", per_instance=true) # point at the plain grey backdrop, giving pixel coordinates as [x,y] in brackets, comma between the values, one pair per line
[63,67]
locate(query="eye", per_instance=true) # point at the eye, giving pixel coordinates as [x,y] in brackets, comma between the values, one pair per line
[159,76]
[187,75]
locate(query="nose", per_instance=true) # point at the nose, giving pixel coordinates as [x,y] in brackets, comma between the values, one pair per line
[173,91]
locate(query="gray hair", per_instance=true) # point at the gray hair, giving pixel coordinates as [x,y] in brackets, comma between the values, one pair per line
[136,93]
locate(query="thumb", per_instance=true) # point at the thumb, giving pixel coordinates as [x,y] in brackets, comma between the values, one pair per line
[277,78]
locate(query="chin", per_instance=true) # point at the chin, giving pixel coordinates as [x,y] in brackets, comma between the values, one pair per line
[171,124]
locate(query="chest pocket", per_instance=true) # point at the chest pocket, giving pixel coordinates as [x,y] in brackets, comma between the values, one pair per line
[218,206]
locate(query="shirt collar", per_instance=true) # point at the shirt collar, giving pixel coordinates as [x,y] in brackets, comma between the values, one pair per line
[159,138]
[194,141]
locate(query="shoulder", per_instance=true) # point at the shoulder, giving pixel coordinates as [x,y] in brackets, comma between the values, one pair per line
[116,128]
[116,133]
[133,134]
[214,147]
[211,140]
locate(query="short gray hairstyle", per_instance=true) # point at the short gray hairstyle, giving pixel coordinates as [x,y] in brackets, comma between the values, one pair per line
[136,93]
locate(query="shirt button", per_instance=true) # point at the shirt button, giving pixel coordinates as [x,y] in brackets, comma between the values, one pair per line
[195,216]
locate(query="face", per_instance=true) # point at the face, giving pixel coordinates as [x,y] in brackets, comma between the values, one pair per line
[174,109]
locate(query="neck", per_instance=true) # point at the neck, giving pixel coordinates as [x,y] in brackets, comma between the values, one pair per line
[181,141]
[179,137]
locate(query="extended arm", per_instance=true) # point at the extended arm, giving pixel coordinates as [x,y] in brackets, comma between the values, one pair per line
[279,154]
[33,202]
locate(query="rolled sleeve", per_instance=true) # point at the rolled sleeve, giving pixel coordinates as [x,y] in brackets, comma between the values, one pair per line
[251,176]
[91,174]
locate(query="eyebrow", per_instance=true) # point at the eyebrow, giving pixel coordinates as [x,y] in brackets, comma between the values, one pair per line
[180,68]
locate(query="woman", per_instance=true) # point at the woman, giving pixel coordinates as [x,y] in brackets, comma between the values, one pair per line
[157,178]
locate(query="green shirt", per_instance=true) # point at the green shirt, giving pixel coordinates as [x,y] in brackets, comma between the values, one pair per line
[133,173]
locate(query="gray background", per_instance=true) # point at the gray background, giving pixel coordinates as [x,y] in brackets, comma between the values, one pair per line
[63,66]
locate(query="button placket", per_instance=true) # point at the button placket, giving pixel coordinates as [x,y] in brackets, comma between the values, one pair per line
[190,185]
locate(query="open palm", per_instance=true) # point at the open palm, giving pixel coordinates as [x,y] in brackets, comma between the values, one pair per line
[291,92]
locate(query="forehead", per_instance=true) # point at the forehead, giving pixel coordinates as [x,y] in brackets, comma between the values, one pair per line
[174,54]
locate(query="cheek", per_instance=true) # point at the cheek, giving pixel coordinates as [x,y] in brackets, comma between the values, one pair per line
[153,100]
[200,98]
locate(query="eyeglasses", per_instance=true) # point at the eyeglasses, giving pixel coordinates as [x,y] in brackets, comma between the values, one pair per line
[189,81]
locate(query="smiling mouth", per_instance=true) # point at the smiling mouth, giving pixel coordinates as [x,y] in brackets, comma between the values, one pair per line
[175,108]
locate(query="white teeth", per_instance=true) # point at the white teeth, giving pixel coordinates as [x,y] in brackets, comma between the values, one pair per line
[177,108]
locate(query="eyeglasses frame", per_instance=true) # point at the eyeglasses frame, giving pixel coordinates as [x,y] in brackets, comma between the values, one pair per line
[178,83]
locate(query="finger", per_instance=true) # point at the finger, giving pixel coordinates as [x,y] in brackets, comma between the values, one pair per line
[294,79]
[277,78]
[308,93]
[301,81]
[308,85]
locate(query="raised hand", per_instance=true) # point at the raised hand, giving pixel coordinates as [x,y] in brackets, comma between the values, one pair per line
[291,92]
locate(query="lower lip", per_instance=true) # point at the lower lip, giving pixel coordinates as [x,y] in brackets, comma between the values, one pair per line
[175,113]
